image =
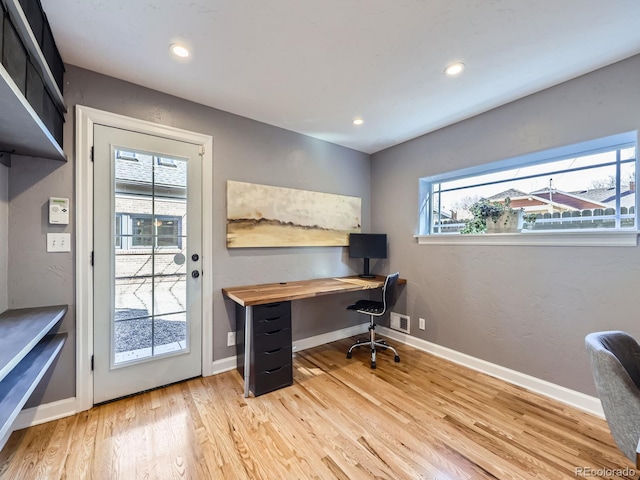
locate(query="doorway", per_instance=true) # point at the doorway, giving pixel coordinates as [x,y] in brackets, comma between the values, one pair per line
[147,315]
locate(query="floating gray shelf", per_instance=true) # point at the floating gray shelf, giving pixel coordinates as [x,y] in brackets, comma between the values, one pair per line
[19,384]
[26,352]
[21,329]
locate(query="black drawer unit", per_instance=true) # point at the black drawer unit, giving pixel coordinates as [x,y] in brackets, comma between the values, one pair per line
[270,355]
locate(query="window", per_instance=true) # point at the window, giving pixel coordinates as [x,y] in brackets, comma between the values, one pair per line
[118,230]
[135,230]
[166,162]
[582,187]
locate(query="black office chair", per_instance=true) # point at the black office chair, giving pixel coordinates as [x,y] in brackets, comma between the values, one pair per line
[376,309]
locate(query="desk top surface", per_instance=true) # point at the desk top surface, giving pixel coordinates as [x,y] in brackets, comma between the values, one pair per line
[281,292]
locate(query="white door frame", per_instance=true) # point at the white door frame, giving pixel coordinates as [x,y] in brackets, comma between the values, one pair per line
[86,117]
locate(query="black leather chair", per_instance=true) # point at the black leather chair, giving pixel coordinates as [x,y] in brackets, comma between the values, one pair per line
[376,309]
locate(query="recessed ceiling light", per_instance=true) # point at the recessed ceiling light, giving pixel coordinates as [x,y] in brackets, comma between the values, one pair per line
[454,68]
[358,121]
[180,50]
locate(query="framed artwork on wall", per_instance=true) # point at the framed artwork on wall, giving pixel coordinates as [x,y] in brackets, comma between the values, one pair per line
[267,216]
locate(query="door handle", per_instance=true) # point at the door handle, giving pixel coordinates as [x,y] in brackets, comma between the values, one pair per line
[195,274]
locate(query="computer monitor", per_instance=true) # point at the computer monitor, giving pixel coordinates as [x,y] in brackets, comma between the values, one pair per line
[367,245]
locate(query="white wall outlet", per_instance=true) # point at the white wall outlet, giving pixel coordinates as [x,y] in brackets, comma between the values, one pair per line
[421,324]
[231,339]
[399,322]
[58,242]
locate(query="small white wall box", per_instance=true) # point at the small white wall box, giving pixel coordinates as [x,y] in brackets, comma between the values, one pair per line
[58,211]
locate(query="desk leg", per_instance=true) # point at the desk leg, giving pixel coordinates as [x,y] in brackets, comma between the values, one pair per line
[248,334]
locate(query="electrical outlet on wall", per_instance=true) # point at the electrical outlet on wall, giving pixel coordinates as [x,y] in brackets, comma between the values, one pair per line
[421,324]
[231,339]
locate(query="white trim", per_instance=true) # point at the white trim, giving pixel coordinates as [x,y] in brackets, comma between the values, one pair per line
[45,413]
[544,239]
[86,117]
[329,337]
[41,414]
[557,392]
[223,365]
[229,363]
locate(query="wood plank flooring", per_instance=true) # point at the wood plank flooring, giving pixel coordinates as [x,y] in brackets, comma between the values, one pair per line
[421,418]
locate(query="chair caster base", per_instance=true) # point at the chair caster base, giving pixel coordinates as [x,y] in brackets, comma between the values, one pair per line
[373,364]
[349,355]
[396,359]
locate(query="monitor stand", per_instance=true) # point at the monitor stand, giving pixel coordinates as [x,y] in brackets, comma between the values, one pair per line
[366,273]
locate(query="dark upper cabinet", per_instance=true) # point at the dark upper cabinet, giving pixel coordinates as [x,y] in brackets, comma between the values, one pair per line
[31,78]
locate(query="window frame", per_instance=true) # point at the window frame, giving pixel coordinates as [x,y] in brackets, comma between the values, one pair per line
[613,236]
[126,231]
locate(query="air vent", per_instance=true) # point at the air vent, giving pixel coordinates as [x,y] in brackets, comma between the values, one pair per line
[400,322]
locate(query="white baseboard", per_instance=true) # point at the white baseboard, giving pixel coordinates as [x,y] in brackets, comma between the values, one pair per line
[41,414]
[3,440]
[45,413]
[318,340]
[229,363]
[223,365]
[557,392]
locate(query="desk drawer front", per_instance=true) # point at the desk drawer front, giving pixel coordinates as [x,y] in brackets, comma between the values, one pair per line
[271,324]
[271,380]
[272,359]
[271,310]
[269,341]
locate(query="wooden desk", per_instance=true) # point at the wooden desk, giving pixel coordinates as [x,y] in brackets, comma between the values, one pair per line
[247,297]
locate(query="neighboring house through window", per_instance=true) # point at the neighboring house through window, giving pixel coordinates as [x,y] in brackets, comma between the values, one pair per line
[138,230]
[591,185]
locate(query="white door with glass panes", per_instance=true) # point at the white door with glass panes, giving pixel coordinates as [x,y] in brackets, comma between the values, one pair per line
[147,262]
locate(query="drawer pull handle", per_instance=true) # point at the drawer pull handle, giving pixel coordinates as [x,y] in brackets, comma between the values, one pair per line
[271,352]
[272,319]
[274,332]
[272,305]
[273,370]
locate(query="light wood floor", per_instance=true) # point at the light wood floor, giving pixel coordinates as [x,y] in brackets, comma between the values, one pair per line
[421,418]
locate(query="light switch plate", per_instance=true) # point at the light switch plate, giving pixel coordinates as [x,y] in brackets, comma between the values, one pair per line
[58,242]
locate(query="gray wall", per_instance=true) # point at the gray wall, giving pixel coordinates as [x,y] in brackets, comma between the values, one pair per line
[35,277]
[244,150]
[526,308]
[4,235]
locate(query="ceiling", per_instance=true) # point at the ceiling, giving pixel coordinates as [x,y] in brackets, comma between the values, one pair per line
[312,66]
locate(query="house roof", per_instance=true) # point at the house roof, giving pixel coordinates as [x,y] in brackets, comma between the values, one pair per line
[136,172]
[572,200]
[608,196]
[511,193]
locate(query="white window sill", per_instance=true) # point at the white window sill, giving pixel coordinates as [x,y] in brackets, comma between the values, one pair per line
[554,239]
